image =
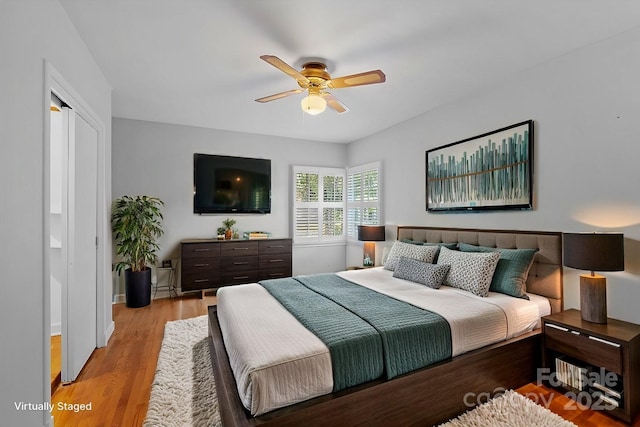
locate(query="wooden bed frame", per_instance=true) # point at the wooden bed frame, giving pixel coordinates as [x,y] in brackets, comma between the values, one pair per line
[427,396]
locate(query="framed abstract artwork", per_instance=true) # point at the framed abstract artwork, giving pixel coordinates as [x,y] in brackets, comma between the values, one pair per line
[492,171]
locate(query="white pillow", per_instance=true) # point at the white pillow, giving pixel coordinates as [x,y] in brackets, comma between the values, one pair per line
[419,252]
[470,271]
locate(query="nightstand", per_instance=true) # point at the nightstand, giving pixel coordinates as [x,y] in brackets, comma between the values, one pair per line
[591,360]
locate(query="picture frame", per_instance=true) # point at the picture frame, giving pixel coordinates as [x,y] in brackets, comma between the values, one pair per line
[166,263]
[492,171]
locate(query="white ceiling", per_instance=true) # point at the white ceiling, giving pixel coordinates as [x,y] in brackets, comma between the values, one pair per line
[196,62]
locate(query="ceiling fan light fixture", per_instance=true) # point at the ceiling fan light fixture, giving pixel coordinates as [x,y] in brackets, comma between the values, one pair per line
[313,104]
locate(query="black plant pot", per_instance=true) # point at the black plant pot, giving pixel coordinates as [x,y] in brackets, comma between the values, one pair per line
[137,286]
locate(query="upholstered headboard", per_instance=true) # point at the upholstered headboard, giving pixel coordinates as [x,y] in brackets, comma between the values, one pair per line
[545,276]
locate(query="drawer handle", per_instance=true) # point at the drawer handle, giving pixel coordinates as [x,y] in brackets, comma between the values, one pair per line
[202,250]
[551,325]
[241,263]
[613,344]
[276,274]
[201,280]
[201,265]
[276,247]
[240,277]
[240,249]
[276,260]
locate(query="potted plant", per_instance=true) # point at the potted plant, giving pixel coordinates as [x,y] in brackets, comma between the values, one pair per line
[228,227]
[136,224]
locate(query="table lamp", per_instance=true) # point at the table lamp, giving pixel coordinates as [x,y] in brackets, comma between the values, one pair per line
[594,252]
[370,234]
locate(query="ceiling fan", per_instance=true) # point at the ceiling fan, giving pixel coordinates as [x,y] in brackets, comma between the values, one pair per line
[315,79]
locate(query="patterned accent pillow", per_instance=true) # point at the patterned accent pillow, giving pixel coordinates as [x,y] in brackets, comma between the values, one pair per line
[431,275]
[435,258]
[470,271]
[510,277]
[400,249]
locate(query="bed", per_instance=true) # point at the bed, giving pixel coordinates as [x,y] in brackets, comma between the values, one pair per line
[425,395]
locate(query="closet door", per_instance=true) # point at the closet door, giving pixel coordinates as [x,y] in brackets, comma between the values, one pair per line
[79,296]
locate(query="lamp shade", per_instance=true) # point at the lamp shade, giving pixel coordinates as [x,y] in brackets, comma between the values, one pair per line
[371,233]
[594,251]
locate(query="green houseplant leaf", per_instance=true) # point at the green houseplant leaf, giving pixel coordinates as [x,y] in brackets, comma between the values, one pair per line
[136,222]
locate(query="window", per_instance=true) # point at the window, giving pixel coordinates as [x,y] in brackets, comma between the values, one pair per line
[319,205]
[363,197]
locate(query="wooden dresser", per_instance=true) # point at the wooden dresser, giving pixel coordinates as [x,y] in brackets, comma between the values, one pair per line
[209,264]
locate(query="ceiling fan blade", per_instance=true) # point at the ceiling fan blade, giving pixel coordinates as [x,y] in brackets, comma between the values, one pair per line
[279,95]
[284,67]
[334,103]
[366,78]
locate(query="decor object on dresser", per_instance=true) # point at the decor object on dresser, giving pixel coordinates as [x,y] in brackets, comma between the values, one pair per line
[605,357]
[485,172]
[136,224]
[228,228]
[210,264]
[370,234]
[595,252]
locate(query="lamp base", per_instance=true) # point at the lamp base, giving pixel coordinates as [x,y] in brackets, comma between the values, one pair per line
[369,254]
[593,298]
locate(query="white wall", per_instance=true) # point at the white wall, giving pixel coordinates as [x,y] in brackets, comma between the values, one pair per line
[586,111]
[157,159]
[30,32]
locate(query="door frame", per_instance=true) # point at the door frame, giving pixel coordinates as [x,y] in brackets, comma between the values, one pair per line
[56,84]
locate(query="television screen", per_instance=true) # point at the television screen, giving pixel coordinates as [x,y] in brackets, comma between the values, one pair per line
[225,184]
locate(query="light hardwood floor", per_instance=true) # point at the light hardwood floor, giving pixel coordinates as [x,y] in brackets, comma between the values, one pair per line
[56,361]
[117,379]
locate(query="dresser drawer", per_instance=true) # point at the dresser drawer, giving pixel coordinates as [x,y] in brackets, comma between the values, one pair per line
[275,247]
[239,277]
[275,261]
[582,346]
[239,263]
[194,265]
[241,248]
[200,250]
[277,273]
[193,281]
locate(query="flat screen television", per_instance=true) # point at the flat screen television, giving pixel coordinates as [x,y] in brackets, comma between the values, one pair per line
[225,184]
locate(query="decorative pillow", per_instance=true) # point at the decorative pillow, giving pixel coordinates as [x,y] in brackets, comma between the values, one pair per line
[511,273]
[419,252]
[431,275]
[469,271]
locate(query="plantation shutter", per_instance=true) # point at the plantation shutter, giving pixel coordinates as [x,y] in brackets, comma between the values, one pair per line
[319,204]
[363,197]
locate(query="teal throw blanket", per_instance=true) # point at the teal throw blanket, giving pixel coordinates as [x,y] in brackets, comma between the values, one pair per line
[367,333]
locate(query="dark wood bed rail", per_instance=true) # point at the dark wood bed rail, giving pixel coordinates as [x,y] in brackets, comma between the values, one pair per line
[425,397]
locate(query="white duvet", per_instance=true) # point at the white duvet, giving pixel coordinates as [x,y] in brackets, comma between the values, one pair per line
[277,362]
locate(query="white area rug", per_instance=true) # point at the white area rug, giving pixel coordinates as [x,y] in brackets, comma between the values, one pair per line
[508,410]
[183,391]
